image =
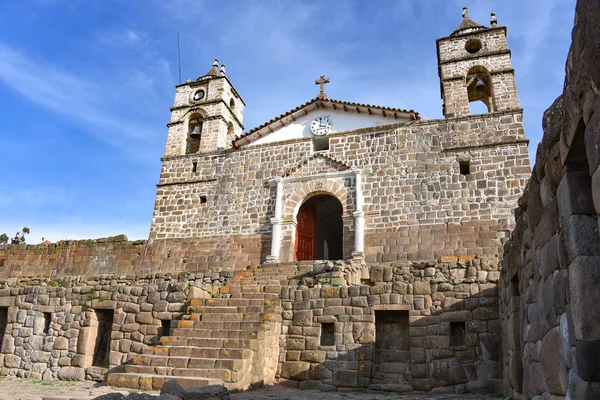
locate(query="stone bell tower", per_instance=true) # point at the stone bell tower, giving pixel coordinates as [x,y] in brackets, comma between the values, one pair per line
[474,64]
[207,115]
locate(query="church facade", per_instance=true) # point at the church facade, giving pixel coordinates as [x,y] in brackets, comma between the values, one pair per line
[338,245]
[333,179]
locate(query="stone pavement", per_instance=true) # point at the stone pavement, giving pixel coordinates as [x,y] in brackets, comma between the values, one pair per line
[12,388]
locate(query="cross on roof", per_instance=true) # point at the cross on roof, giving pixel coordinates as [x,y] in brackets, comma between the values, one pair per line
[322,81]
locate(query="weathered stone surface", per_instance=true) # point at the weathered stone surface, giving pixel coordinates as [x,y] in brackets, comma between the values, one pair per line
[448,371]
[584,280]
[211,392]
[172,387]
[71,374]
[553,364]
[110,396]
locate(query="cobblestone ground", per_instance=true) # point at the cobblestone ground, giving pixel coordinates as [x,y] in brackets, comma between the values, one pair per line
[26,389]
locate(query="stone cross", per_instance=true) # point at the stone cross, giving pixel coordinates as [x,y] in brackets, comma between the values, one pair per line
[322,81]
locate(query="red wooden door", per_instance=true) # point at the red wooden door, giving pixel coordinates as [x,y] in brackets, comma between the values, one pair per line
[306,231]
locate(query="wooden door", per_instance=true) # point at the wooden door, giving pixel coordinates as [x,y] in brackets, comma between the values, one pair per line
[306,231]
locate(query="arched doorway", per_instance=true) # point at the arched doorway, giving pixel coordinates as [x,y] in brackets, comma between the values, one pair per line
[319,230]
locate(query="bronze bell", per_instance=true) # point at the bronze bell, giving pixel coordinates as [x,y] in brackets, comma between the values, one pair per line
[196,132]
[480,86]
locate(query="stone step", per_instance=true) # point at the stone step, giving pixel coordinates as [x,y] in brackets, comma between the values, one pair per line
[232,310]
[223,374]
[152,360]
[174,341]
[253,295]
[226,325]
[255,317]
[219,334]
[228,302]
[155,382]
[203,352]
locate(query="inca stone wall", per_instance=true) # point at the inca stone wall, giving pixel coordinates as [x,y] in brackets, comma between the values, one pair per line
[551,269]
[116,255]
[52,324]
[444,316]
[429,326]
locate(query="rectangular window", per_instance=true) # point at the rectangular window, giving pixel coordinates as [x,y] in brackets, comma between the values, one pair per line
[328,334]
[465,167]
[47,322]
[203,199]
[194,166]
[320,143]
[458,333]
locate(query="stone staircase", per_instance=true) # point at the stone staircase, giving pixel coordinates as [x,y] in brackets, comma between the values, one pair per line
[231,340]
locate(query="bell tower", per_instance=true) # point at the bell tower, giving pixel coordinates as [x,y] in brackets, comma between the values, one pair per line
[474,64]
[207,115]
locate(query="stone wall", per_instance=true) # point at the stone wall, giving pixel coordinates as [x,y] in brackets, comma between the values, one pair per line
[551,269]
[118,256]
[427,326]
[52,324]
[441,332]
[411,182]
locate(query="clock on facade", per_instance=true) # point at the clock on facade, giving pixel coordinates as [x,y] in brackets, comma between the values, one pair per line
[199,95]
[320,126]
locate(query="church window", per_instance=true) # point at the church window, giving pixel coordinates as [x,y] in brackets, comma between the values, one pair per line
[203,199]
[320,143]
[194,166]
[473,46]
[465,167]
[232,104]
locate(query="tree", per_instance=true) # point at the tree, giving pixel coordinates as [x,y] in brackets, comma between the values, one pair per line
[19,236]
[3,238]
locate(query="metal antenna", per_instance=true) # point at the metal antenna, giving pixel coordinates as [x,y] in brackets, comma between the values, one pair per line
[179,57]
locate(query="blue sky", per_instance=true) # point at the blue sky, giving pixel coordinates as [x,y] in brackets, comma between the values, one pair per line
[86,86]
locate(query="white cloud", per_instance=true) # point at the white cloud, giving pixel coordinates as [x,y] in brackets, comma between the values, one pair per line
[98,107]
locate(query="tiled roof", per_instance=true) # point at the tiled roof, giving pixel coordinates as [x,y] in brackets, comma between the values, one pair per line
[414,114]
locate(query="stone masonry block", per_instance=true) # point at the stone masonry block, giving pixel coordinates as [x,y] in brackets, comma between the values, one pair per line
[584,281]
[574,195]
[580,236]
[554,367]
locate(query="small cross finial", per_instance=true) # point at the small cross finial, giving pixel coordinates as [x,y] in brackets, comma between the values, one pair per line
[465,13]
[322,81]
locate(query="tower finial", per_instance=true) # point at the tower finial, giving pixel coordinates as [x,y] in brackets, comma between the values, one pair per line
[465,13]
[222,72]
[216,63]
[493,20]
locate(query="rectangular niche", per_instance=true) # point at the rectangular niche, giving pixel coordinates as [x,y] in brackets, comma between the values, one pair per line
[102,342]
[327,334]
[3,323]
[458,333]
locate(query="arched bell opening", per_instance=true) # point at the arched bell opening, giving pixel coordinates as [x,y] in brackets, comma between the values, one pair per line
[319,229]
[479,90]
[194,134]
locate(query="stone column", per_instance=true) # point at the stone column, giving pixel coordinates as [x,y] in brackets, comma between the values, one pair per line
[359,219]
[276,222]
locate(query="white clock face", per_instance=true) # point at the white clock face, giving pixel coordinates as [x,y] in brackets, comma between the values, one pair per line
[320,126]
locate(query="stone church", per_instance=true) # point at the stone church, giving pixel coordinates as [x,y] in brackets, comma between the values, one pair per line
[337,245]
[333,179]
